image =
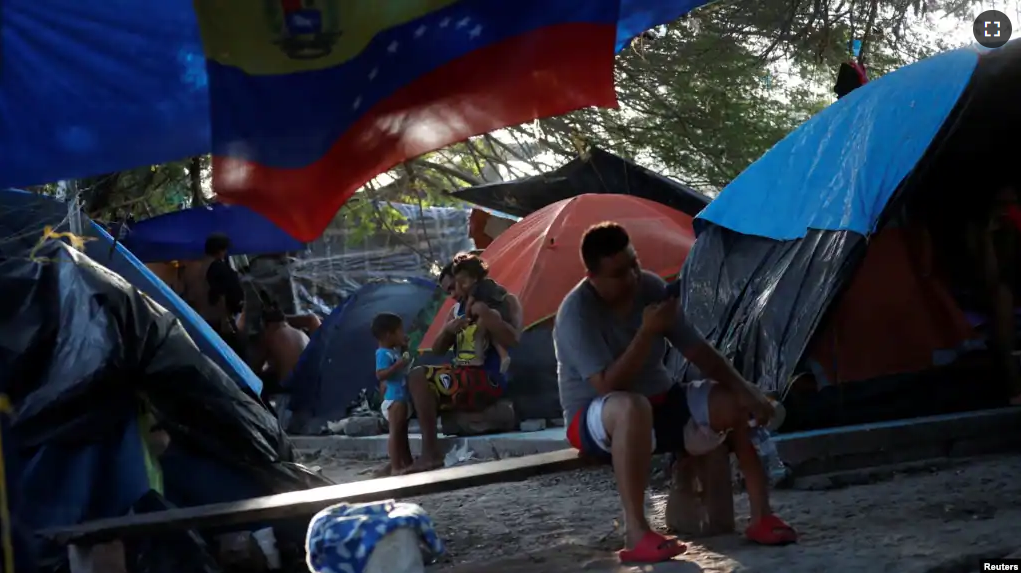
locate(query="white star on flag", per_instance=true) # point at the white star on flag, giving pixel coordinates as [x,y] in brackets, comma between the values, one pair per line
[444,22]
[358,103]
[373,73]
[475,31]
[464,22]
[392,48]
[420,31]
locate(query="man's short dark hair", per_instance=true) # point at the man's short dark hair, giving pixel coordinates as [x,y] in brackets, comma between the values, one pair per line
[446,271]
[471,264]
[217,243]
[273,315]
[602,240]
[384,323]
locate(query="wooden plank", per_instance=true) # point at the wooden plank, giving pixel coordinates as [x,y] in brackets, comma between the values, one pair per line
[307,503]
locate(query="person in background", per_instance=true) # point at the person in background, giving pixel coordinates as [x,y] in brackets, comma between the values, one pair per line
[278,350]
[392,362]
[621,404]
[992,242]
[214,290]
[471,275]
[473,381]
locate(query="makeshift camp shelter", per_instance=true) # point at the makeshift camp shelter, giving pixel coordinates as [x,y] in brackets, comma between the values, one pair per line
[338,362]
[94,362]
[484,225]
[835,280]
[539,260]
[596,171]
[181,235]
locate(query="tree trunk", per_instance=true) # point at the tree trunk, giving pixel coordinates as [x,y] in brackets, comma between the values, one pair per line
[195,176]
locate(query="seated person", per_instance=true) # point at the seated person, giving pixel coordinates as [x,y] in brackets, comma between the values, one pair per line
[620,403]
[979,247]
[473,382]
[279,348]
[471,275]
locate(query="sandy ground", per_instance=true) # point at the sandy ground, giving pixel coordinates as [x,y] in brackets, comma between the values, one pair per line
[936,517]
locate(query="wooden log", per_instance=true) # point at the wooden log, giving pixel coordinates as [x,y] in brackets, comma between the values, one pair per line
[306,503]
[701,499]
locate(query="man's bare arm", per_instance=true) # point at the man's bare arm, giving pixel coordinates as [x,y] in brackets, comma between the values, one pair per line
[444,340]
[502,332]
[620,374]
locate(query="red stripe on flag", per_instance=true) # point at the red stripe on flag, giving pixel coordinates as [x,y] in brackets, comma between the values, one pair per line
[547,72]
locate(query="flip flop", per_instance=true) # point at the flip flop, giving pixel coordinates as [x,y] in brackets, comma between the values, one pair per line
[653,548]
[771,530]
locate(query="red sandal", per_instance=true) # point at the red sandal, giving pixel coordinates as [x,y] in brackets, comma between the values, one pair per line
[771,530]
[653,548]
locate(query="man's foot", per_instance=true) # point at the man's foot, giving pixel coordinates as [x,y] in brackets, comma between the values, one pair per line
[385,470]
[771,530]
[423,464]
[652,548]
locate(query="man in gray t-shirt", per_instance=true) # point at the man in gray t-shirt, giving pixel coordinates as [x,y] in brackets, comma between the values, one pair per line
[619,401]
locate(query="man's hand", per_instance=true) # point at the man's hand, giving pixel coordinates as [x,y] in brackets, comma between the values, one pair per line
[456,325]
[758,404]
[659,318]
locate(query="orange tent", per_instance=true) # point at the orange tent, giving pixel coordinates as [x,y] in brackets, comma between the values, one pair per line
[539,260]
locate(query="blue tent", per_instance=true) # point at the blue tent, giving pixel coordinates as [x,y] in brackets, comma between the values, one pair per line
[23,216]
[80,345]
[181,235]
[338,363]
[929,139]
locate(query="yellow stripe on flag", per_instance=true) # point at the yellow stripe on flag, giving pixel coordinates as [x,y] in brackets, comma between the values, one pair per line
[258,37]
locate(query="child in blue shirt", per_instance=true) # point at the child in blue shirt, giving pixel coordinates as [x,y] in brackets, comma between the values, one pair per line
[392,361]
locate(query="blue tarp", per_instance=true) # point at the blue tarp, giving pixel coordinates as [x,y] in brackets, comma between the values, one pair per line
[79,346]
[21,211]
[181,235]
[95,87]
[339,360]
[839,169]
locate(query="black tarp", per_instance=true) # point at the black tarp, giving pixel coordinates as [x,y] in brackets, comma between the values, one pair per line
[760,299]
[597,172]
[80,350]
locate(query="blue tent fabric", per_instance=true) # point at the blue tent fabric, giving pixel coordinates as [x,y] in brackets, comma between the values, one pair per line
[338,362]
[839,169]
[758,287]
[181,235]
[22,218]
[95,87]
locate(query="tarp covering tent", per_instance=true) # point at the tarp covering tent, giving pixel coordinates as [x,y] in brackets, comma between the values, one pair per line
[23,218]
[338,362]
[597,171]
[91,359]
[181,235]
[538,260]
[842,193]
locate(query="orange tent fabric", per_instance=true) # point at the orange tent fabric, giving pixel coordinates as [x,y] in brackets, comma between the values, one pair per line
[894,317]
[539,259]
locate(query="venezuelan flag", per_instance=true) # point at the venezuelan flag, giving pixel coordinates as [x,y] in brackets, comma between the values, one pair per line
[302,101]
[312,98]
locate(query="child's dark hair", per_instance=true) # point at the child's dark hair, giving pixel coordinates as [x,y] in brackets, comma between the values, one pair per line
[384,323]
[472,265]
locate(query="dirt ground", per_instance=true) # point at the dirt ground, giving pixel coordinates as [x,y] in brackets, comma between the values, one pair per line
[934,517]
